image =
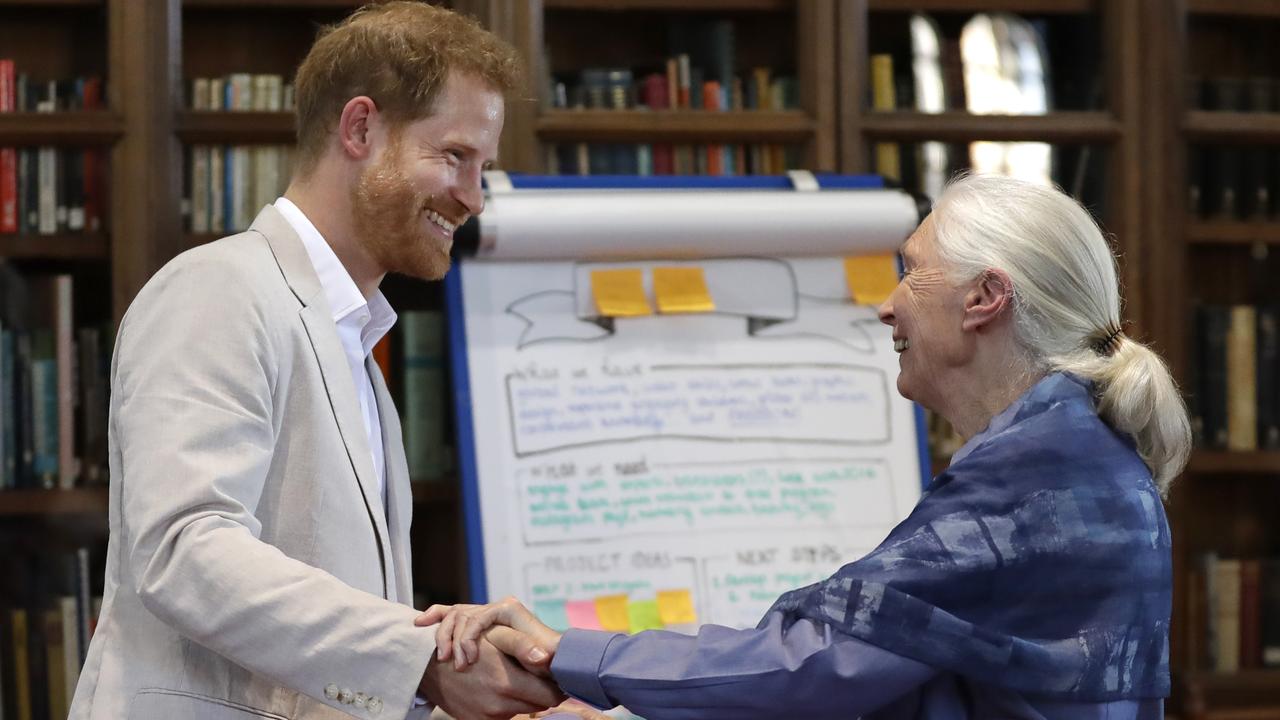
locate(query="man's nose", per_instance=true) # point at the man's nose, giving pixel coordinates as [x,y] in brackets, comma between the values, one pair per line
[470,194]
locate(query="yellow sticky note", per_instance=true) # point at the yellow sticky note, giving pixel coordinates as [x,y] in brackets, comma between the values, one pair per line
[643,615]
[612,610]
[871,278]
[620,292]
[681,290]
[675,607]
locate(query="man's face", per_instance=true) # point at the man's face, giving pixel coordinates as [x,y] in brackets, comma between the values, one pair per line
[926,312]
[426,181]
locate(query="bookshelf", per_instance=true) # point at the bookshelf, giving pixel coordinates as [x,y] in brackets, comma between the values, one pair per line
[1206,256]
[1122,95]
[560,38]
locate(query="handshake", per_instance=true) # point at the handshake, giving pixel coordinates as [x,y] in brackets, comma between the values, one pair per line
[494,661]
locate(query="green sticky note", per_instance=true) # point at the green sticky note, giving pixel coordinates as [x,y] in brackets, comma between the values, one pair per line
[643,615]
[552,614]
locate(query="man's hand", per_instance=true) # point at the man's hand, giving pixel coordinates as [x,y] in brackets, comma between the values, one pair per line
[493,688]
[462,626]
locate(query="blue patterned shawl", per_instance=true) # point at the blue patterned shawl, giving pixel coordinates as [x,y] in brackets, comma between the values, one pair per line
[1039,562]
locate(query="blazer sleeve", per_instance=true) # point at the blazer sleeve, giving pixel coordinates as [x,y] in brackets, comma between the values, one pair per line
[193,378]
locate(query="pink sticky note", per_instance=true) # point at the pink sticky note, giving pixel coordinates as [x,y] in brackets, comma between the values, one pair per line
[582,614]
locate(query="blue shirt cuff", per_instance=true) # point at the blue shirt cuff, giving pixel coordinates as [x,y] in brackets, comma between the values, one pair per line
[576,665]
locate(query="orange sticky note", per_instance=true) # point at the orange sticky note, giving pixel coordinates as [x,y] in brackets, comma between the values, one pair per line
[681,290]
[620,292]
[871,278]
[675,607]
[612,611]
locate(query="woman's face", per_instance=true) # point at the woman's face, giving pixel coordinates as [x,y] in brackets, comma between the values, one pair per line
[926,312]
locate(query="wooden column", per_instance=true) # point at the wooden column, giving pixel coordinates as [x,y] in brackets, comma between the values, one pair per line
[146,165]
[854,74]
[1124,68]
[519,23]
[816,24]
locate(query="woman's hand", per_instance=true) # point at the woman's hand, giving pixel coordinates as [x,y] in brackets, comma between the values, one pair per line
[570,708]
[461,627]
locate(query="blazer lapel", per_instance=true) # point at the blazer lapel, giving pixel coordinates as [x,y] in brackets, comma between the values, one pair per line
[317,318]
[399,491]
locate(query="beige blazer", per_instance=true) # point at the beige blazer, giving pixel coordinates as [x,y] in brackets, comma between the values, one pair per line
[251,570]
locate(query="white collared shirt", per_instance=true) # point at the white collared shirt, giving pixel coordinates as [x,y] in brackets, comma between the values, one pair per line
[361,324]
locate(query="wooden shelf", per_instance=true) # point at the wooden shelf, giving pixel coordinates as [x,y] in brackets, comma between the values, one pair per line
[1225,461]
[267,4]
[437,491]
[1240,8]
[78,246]
[1233,232]
[755,126]
[670,5]
[1233,127]
[1025,7]
[957,126]
[79,501]
[1243,695]
[90,127]
[235,127]
[52,3]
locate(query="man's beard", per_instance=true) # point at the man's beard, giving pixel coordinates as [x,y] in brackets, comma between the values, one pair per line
[389,218]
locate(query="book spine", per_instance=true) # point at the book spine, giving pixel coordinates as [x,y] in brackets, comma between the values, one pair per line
[1242,391]
[8,413]
[1268,388]
[1269,592]
[64,348]
[1250,615]
[8,155]
[1227,615]
[424,393]
[21,663]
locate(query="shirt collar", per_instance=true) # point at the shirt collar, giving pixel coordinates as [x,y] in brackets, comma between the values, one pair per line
[341,292]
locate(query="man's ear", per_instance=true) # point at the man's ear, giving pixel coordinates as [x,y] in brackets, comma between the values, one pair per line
[990,298]
[356,127]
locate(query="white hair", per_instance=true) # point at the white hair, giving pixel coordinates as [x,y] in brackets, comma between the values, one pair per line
[1066,304]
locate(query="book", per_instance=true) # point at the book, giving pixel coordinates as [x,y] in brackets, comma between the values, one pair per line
[20,634]
[1269,593]
[883,97]
[8,155]
[1250,615]
[1209,403]
[424,393]
[1226,615]
[1268,365]
[1242,389]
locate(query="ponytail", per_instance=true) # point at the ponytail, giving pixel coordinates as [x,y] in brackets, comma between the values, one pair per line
[1137,396]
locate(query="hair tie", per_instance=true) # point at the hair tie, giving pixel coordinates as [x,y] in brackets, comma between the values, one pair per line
[1107,340]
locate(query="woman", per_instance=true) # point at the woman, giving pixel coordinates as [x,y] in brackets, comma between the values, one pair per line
[1033,578]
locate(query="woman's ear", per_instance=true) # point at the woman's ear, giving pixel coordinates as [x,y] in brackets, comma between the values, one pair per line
[990,298]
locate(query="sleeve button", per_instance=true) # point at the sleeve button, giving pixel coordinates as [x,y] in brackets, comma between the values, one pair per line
[331,691]
[375,705]
[345,696]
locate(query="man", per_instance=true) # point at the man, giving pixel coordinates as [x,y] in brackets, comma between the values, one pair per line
[259,558]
